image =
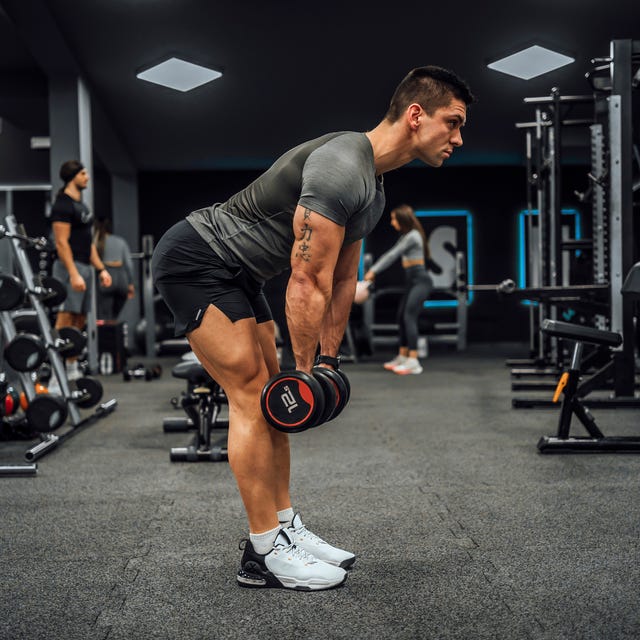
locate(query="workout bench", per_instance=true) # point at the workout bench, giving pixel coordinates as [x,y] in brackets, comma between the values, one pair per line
[202,403]
[574,390]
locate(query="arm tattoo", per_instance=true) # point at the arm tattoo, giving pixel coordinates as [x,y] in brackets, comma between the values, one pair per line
[304,248]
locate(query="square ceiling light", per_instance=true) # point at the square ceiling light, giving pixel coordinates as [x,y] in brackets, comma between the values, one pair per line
[179,74]
[531,62]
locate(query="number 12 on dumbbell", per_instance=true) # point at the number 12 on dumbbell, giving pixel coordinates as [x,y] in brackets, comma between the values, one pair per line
[288,399]
[294,401]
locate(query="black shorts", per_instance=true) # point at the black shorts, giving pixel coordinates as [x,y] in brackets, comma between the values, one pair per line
[190,276]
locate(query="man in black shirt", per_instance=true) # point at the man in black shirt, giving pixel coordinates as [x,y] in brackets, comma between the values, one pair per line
[72,224]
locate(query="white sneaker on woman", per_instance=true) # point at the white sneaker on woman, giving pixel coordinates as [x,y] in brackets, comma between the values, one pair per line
[408,367]
[396,362]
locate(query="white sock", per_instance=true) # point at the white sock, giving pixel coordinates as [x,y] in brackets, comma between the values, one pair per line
[263,542]
[285,516]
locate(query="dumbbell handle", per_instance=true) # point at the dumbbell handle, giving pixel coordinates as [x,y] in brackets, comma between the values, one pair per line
[506,286]
[61,345]
[38,243]
[42,292]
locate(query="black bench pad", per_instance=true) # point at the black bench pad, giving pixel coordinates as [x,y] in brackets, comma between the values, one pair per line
[581,334]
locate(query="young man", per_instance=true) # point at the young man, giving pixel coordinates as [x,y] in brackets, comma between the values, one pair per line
[72,225]
[309,211]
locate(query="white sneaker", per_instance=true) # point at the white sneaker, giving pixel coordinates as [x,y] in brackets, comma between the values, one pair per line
[288,566]
[316,546]
[410,366]
[396,362]
[73,371]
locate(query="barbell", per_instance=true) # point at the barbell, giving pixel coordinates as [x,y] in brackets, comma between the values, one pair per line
[506,286]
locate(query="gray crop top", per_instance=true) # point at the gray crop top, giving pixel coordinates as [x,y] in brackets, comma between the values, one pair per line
[116,249]
[410,246]
[333,175]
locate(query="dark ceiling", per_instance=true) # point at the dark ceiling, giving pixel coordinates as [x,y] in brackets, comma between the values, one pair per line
[292,71]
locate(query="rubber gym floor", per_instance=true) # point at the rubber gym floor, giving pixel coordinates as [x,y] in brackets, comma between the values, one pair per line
[463,530]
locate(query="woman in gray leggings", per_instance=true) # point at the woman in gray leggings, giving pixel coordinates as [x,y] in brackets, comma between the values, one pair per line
[412,246]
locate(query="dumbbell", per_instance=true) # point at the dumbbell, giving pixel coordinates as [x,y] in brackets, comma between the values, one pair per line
[27,351]
[153,371]
[50,291]
[294,401]
[88,392]
[140,371]
[47,412]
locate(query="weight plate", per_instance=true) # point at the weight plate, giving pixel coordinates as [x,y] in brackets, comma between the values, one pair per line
[25,352]
[330,395]
[340,388]
[26,321]
[57,291]
[292,401]
[11,292]
[46,413]
[75,340]
[346,383]
[91,390]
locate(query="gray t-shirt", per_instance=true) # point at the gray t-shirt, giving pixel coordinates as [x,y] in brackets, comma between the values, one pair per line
[333,175]
[410,246]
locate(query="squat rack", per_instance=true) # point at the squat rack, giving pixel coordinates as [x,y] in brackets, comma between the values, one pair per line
[611,194]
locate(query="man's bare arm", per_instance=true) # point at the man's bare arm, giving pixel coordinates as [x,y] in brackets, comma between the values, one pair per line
[344,286]
[314,254]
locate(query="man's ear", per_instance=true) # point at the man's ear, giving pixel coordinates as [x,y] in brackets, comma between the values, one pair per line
[413,114]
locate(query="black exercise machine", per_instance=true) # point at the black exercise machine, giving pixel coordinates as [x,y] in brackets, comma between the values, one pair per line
[574,391]
[202,402]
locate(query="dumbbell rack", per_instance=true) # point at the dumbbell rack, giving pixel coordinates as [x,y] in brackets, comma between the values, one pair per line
[57,364]
[9,332]
[49,440]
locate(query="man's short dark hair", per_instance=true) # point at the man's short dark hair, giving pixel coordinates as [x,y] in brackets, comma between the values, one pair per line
[69,170]
[430,87]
